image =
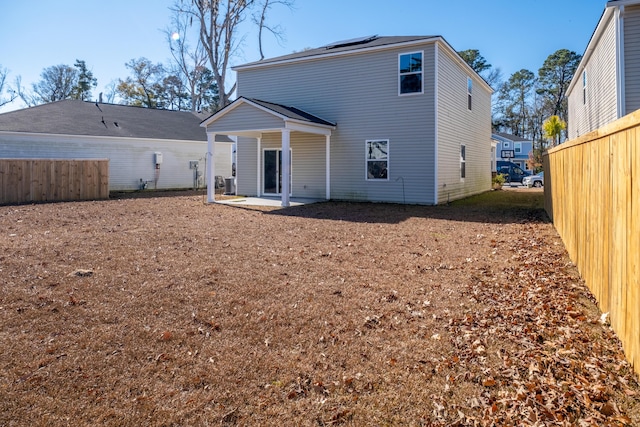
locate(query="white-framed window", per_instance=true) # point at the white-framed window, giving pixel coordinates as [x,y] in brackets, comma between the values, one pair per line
[410,73]
[463,161]
[584,87]
[469,92]
[506,145]
[517,147]
[377,159]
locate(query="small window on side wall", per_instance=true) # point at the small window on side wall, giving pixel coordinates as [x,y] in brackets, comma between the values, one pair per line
[469,92]
[463,161]
[377,158]
[410,73]
[584,87]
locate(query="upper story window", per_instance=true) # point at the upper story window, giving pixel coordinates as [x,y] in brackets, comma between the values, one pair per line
[517,147]
[377,155]
[410,76]
[469,91]
[584,87]
[506,144]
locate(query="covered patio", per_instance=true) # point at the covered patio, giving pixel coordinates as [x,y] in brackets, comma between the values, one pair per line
[267,201]
[255,119]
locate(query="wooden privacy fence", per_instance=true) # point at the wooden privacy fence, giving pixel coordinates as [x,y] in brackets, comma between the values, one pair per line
[47,180]
[592,194]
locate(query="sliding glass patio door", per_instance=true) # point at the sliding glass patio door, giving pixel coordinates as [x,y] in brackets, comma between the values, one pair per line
[272,169]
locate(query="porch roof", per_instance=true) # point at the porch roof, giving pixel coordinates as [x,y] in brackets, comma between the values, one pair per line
[292,118]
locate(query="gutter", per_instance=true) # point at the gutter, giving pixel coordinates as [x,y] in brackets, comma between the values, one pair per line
[620,74]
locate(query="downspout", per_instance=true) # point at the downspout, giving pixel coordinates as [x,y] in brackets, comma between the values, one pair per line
[258,166]
[211,179]
[328,167]
[620,72]
[285,167]
[435,126]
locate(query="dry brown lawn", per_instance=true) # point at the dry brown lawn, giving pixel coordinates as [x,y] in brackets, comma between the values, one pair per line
[164,311]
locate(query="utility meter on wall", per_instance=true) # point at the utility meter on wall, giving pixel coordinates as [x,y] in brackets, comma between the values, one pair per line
[158,159]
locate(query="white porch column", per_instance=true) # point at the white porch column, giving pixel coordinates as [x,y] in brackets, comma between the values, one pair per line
[328,167]
[286,159]
[258,167]
[211,169]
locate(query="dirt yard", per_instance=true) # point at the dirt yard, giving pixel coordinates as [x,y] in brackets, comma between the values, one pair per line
[164,311]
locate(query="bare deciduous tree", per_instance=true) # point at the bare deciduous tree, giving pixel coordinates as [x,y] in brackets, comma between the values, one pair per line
[190,61]
[218,22]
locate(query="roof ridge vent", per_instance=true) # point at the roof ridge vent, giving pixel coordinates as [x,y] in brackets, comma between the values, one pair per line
[351,42]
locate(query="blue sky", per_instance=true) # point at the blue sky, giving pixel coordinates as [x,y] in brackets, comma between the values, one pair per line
[510,34]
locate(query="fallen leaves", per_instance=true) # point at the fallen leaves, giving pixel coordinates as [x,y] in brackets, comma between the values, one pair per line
[557,372]
[207,314]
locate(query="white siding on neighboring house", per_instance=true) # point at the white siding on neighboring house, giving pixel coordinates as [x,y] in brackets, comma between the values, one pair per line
[223,160]
[130,160]
[600,107]
[632,58]
[457,125]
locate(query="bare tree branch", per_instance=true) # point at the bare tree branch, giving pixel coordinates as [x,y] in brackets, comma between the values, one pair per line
[12,95]
[261,21]
[23,93]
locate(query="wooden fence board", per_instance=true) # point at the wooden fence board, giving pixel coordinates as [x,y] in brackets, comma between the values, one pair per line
[592,194]
[633,274]
[47,180]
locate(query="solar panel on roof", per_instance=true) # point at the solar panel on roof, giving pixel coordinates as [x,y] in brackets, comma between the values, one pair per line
[350,42]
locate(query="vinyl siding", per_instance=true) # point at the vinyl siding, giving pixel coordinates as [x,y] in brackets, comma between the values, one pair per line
[245,117]
[632,58]
[601,105]
[129,159]
[308,165]
[246,160]
[360,93]
[458,125]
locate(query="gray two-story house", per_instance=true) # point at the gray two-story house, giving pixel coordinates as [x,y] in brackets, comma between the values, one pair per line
[606,85]
[382,119]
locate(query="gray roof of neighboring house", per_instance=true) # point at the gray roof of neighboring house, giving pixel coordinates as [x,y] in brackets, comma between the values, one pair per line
[338,47]
[75,117]
[510,137]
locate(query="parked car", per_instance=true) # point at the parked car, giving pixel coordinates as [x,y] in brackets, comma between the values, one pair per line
[534,180]
[511,171]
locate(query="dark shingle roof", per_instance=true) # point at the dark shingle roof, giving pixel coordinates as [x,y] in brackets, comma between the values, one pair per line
[291,112]
[328,49]
[74,117]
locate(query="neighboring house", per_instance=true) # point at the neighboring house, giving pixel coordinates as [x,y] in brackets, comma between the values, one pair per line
[146,148]
[384,119]
[507,144]
[606,85]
